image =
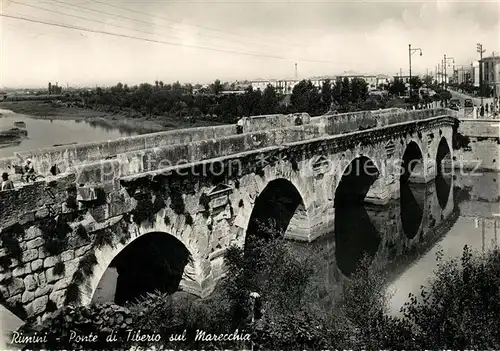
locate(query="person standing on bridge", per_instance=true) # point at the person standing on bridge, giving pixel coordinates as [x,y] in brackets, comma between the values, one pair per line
[240,124]
[7,184]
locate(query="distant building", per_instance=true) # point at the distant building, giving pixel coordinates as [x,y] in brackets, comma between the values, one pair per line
[491,72]
[405,79]
[284,86]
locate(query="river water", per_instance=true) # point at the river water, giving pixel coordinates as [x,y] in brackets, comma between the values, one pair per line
[47,133]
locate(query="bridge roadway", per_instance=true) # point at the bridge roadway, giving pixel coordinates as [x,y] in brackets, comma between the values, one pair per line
[204,143]
[124,172]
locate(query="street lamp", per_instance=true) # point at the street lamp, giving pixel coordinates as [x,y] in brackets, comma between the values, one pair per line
[445,61]
[480,50]
[411,52]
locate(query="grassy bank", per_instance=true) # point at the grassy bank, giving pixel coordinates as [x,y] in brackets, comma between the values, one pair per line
[147,124]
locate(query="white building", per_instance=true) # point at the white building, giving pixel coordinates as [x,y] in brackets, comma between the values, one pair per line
[491,72]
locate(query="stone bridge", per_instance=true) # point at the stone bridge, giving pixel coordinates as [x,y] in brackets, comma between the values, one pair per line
[200,190]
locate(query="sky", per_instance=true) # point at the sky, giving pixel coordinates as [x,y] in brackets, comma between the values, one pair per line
[239,39]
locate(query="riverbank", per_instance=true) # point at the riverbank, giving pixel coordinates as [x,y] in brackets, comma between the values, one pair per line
[12,136]
[141,125]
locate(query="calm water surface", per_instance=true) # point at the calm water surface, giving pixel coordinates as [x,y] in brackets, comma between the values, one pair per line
[476,201]
[47,133]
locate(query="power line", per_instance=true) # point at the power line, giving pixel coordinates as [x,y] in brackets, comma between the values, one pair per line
[158,41]
[192,25]
[109,24]
[80,17]
[136,20]
[87,19]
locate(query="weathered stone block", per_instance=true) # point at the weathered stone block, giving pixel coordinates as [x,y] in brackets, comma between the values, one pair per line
[67,255]
[16,286]
[82,250]
[58,297]
[51,277]
[30,283]
[5,275]
[62,283]
[50,261]
[42,278]
[71,267]
[42,213]
[44,290]
[18,271]
[28,296]
[29,255]
[36,264]
[3,290]
[31,233]
[27,268]
[27,218]
[41,252]
[39,305]
[33,244]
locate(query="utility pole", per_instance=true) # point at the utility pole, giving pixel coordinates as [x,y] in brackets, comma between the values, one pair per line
[494,84]
[480,51]
[411,52]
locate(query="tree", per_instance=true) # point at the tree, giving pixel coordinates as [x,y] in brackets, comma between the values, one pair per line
[416,83]
[359,90]
[326,95]
[269,101]
[217,87]
[428,80]
[397,88]
[306,98]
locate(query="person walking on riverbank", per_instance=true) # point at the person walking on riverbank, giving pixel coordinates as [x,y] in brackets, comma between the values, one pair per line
[7,184]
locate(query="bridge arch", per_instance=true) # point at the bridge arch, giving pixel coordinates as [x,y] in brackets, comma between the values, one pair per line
[181,261]
[355,235]
[279,205]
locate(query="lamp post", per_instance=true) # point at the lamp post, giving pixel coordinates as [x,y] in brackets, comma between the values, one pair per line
[445,61]
[411,52]
[480,51]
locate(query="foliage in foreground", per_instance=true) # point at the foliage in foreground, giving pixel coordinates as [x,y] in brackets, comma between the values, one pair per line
[459,308]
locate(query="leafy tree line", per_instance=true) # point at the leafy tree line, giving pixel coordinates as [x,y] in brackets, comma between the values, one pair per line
[180,101]
[458,309]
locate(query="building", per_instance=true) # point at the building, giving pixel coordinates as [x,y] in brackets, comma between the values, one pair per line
[282,86]
[491,72]
[464,74]
[405,79]
[382,79]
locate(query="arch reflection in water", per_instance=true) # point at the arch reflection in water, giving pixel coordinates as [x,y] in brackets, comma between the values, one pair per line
[443,177]
[274,208]
[412,201]
[412,197]
[355,235]
[153,262]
